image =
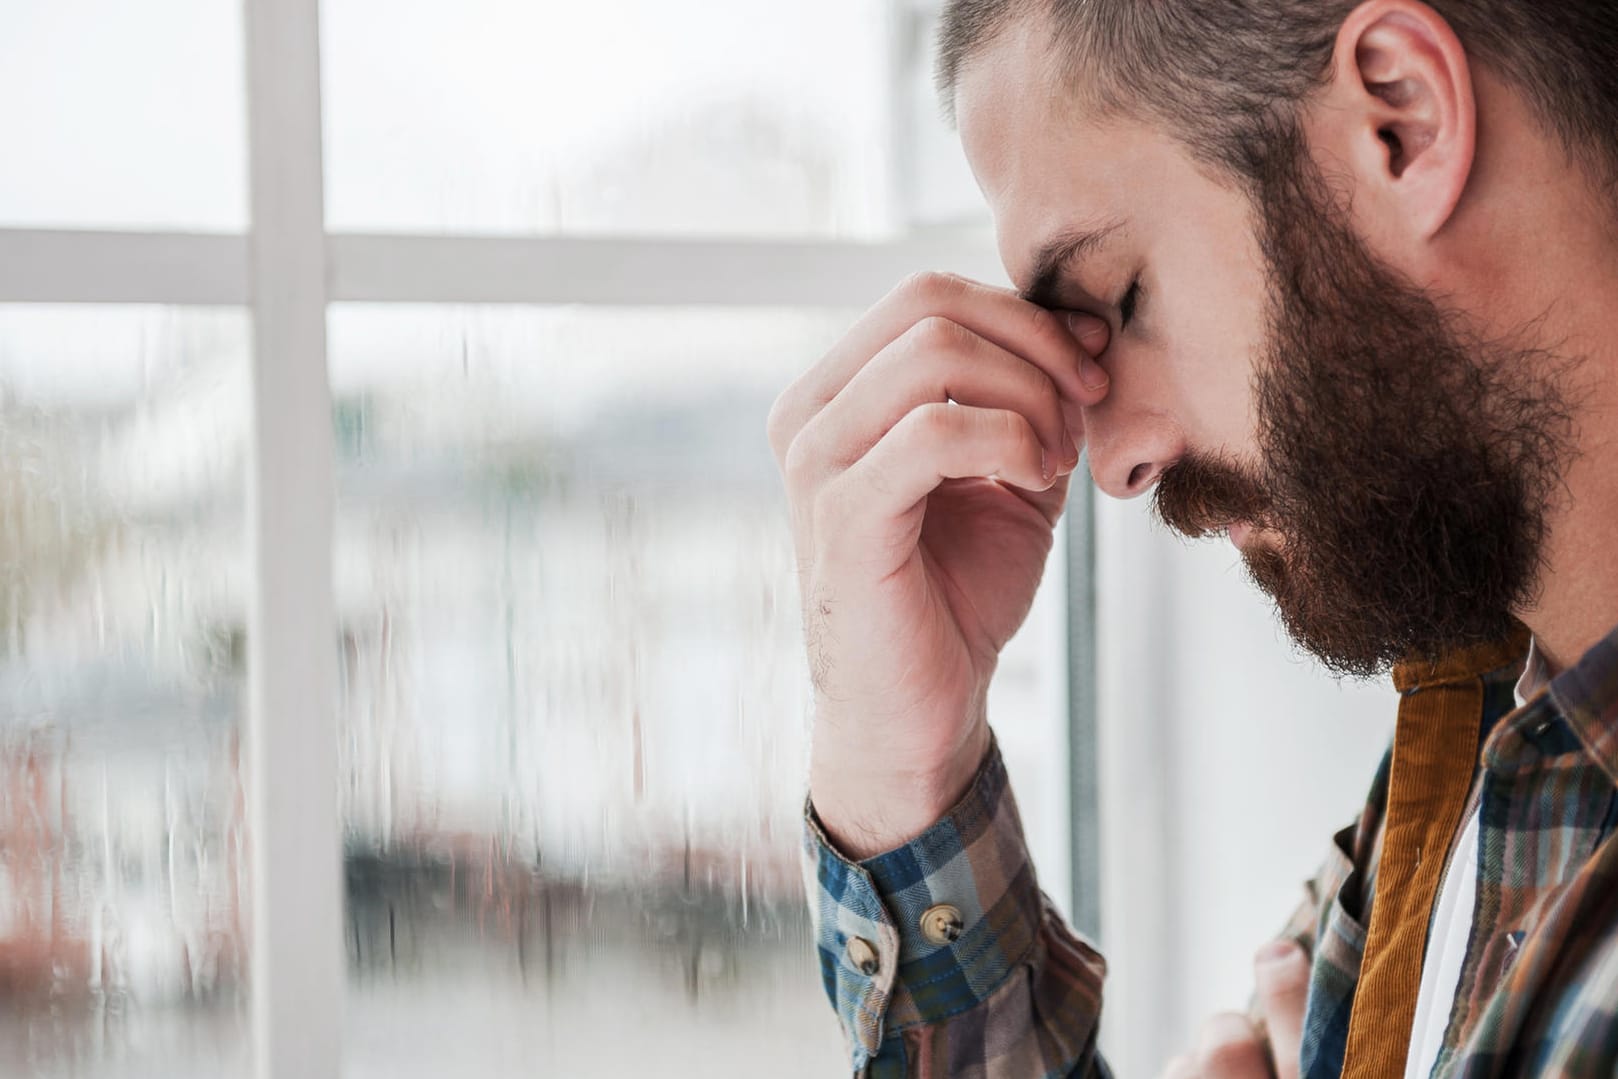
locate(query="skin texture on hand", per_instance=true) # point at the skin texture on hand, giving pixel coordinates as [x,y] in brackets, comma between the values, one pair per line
[926,460]
[1233,1046]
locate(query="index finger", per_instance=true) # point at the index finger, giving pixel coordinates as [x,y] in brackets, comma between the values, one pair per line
[999,315]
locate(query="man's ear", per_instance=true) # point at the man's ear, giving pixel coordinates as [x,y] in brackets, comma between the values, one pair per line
[1403,116]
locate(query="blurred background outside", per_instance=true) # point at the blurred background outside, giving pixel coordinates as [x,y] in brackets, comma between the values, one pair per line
[572,708]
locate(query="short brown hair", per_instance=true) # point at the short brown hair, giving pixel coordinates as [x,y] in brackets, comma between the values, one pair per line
[1227,75]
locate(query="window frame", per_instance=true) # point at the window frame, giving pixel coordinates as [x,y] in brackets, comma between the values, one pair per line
[286,270]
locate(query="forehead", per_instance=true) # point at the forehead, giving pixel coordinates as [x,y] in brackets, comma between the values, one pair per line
[1046,162]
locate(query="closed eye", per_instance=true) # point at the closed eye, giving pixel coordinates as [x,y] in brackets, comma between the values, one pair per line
[1129,303]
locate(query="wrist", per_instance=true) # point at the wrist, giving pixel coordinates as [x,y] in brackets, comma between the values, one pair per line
[866,810]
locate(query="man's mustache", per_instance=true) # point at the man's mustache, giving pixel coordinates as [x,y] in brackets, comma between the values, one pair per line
[1199,496]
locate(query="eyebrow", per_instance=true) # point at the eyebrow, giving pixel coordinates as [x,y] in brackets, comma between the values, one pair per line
[1054,259]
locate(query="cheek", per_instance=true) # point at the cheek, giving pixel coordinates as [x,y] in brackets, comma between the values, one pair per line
[1220,399]
[1195,376]
[1209,345]
[1210,326]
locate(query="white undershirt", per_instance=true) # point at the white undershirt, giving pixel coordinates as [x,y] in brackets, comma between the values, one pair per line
[1446,947]
[1452,926]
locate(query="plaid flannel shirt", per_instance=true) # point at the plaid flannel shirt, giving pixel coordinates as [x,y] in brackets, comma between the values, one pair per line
[1018,994]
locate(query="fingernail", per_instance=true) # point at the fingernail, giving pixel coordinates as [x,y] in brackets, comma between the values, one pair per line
[1091,374]
[1090,332]
[1070,449]
[1045,464]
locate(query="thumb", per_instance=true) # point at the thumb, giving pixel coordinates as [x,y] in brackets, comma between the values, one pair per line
[1282,972]
[1093,334]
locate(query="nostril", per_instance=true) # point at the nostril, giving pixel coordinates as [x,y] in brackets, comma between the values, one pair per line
[1138,477]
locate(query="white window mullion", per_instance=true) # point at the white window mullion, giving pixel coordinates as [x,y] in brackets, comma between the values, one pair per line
[72,266]
[67,266]
[633,271]
[298,957]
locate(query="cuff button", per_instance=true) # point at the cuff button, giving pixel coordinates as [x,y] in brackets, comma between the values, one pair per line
[942,924]
[862,955]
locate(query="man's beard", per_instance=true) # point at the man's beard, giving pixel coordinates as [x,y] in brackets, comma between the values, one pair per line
[1408,467]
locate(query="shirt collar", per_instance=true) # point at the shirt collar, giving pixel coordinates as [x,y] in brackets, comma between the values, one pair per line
[1462,664]
[1576,710]
[1586,694]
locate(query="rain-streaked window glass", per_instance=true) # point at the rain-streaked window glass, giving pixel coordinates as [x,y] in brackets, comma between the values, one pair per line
[575,698]
[123,843]
[725,117]
[122,114]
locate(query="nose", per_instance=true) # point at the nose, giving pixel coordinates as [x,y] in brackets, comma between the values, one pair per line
[1129,454]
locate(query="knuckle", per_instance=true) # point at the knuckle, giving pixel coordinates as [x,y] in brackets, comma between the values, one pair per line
[929,421]
[935,334]
[778,425]
[1018,430]
[798,465]
[1042,323]
[929,288]
[1047,327]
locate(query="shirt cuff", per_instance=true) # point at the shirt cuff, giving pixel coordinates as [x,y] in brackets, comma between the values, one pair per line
[930,929]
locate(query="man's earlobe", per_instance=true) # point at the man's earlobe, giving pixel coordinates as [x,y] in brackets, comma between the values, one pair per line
[1406,80]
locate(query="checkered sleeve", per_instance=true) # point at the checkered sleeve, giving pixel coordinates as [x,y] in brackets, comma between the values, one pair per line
[1007,990]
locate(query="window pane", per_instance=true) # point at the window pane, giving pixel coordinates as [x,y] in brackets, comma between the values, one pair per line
[575,695]
[123,114]
[939,189]
[123,860]
[629,116]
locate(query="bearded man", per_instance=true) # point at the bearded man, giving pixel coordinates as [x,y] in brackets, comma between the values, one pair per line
[1339,280]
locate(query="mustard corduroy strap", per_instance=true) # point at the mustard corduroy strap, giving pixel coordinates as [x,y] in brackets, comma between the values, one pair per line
[1435,746]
